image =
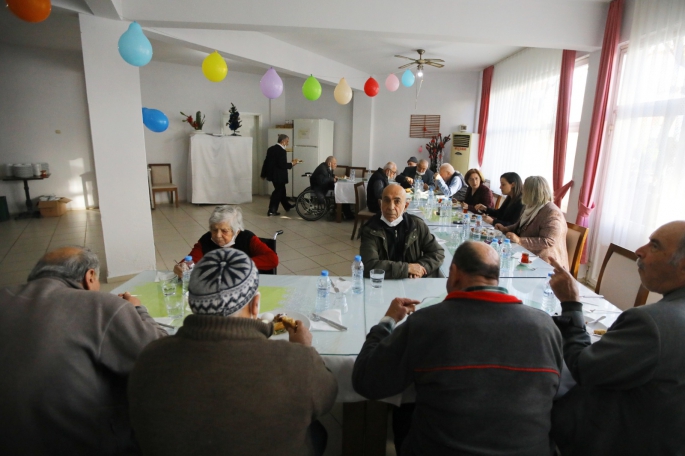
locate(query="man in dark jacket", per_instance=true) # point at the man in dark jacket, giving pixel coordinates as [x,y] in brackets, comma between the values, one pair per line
[411,173]
[66,351]
[275,169]
[630,397]
[323,180]
[399,243]
[485,367]
[377,182]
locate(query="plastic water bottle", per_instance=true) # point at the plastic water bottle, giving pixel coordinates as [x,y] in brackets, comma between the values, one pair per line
[431,198]
[549,301]
[477,228]
[495,245]
[505,255]
[322,290]
[352,175]
[357,275]
[187,269]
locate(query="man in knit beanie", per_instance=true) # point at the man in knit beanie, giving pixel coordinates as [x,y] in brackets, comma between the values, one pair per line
[220,385]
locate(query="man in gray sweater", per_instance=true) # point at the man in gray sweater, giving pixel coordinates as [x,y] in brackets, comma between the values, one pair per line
[485,367]
[66,351]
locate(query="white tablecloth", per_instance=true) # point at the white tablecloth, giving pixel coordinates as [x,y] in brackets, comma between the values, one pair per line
[344,191]
[220,169]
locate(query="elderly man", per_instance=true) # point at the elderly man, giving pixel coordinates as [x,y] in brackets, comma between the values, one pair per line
[275,169]
[412,161]
[377,182]
[450,182]
[66,352]
[411,173]
[485,367]
[630,397]
[323,180]
[219,386]
[399,243]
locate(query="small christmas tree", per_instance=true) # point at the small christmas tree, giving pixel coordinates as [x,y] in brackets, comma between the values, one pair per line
[234,120]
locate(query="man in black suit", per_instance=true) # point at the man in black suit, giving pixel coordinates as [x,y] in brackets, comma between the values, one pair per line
[410,174]
[275,170]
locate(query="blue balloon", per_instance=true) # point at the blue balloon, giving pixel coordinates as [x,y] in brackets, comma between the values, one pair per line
[408,78]
[155,120]
[134,47]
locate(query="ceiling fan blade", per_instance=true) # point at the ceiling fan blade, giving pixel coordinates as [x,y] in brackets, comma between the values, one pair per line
[435,60]
[405,66]
[436,65]
[403,57]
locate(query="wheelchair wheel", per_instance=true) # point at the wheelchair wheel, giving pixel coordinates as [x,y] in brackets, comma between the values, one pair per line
[308,206]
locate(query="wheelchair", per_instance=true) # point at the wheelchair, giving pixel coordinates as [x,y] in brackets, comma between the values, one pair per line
[308,206]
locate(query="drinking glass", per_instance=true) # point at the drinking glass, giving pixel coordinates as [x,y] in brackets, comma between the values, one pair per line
[352,175]
[174,306]
[377,276]
[169,287]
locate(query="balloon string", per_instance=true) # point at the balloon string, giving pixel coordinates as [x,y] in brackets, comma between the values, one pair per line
[418,90]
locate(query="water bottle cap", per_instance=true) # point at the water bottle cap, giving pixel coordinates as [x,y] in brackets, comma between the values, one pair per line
[507,241]
[550,274]
[324,273]
[189,258]
[358,258]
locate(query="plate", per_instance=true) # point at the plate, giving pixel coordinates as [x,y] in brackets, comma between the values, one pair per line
[590,327]
[292,314]
[526,265]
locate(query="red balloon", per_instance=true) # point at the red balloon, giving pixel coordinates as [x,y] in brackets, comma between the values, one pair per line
[30,10]
[371,87]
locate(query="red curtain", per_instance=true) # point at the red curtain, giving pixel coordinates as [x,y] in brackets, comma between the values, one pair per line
[484,111]
[568,64]
[612,32]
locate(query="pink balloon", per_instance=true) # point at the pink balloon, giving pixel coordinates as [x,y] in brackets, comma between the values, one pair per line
[392,83]
[271,84]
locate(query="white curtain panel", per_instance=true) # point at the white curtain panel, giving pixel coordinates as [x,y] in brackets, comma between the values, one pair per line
[523,105]
[642,178]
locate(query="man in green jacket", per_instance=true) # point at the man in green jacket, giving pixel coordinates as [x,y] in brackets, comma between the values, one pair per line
[399,243]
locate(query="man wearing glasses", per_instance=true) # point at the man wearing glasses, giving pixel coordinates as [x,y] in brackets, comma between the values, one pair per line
[377,183]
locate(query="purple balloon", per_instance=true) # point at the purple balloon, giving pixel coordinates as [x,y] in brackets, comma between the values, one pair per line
[271,84]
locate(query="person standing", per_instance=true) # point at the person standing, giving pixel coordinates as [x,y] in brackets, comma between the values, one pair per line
[275,170]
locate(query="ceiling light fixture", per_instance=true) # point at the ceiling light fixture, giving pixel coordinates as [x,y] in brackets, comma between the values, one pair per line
[419,73]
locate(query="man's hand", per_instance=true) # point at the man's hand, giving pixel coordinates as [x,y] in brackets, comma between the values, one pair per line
[416,270]
[302,336]
[295,161]
[513,238]
[563,284]
[425,187]
[335,179]
[400,308]
[500,227]
[178,270]
[409,180]
[132,299]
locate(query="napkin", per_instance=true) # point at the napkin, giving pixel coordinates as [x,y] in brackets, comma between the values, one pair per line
[333,315]
[343,286]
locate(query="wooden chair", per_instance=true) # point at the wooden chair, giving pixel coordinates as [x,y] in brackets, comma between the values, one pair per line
[368,173]
[619,280]
[575,243]
[361,212]
[497,200]
[162,182]
[358,171]
[340,171]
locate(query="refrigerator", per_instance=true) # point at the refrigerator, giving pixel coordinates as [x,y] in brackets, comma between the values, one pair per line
[312,143]
[273,139]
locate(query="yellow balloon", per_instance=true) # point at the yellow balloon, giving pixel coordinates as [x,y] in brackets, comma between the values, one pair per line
[342,92]
[214,67]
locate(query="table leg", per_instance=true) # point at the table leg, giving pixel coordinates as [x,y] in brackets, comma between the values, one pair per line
[29,205]
[338,212]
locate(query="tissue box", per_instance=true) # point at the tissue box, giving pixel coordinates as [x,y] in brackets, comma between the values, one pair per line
[53,208]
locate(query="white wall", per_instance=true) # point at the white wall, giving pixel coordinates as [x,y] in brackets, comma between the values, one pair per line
[43,91]
[452,96]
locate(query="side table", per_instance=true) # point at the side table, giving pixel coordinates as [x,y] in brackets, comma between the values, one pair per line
[30,210]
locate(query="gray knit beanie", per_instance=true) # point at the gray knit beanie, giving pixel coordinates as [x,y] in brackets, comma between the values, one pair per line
[222,283]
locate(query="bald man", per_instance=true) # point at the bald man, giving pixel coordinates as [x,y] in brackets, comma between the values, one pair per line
[419,171]
[377,182]
[630,397]
[485,367]
[66,351]
[399,243]
[450,182]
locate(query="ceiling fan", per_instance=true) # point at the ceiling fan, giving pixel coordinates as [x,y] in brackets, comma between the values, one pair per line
[420,62]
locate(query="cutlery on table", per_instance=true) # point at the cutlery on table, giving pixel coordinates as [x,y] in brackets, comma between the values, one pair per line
[316,317]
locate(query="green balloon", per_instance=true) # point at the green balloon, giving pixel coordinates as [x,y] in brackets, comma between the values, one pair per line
[311,89]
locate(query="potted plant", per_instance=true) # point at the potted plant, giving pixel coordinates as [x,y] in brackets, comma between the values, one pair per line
[197,123]
[435,148]
[234,120]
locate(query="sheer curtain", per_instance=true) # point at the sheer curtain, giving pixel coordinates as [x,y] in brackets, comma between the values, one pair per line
[643,174]
[523,105]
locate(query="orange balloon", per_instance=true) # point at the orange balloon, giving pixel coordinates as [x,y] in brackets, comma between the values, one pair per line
[30,10]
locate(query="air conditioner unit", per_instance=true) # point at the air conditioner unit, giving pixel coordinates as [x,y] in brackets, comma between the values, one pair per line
[464,151]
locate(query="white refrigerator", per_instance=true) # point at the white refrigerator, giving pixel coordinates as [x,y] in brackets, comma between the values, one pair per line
[273,139]
[312,143]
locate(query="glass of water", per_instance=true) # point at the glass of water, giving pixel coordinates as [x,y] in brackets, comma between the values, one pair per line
[174,306]
[169,287]
[352,175]
[377,276]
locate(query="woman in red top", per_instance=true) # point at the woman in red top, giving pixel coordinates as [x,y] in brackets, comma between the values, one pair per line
[226,231]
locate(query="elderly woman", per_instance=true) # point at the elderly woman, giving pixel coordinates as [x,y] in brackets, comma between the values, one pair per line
[477,193]
[226,231]
[542,227]
[511,186]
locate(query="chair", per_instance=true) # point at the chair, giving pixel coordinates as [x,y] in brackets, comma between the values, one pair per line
[271,243]
[575,243]
[619,280]
[358,171]
[340,171]
[368,172]
[361,212]
[496,200]
[161,181]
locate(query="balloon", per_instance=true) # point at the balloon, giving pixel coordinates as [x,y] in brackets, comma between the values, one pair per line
[155,120]
[371,87]
[408,79]
[311,89]
[214,67]
[271,84]
[134,47]
[30,10]
[392,83]
[342,92]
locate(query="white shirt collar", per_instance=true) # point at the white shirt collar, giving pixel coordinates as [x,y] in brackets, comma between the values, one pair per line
[282,146]
[395,222]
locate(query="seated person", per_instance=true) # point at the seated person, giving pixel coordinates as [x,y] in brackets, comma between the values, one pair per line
[377,182]
[412,162]
[450,182]
[226,231]
[323,180]
[474,394]
[477,193]
[542,227]
[511,186]
[399,243]
[220,386]
[410,173]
